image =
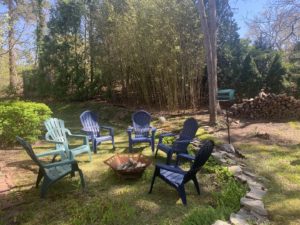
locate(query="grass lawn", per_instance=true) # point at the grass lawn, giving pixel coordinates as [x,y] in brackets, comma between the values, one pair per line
[277,159]
[280,165]
[109,199]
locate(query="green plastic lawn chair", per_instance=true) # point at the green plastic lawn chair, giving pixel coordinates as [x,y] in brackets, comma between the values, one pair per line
[54,171]
[58,134]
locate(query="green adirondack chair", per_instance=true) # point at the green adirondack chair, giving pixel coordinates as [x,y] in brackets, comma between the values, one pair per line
[54,171]
[58,134]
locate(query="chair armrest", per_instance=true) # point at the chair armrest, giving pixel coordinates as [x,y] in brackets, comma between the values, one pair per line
[111,130]
[54,142]
[52,152]
[186,156]
[170,168]
[84,137]
[130,130]
[153,130]
[177,142]
[61,163]
[77,135]
[167,135]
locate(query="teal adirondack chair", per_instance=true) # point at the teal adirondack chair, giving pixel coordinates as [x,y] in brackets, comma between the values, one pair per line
[58,134]
[54,171]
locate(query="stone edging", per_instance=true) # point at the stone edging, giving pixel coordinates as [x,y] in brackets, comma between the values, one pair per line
[253,209]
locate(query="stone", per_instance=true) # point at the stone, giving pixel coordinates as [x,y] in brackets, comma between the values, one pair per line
[263,220]
[256,193]
[238,219]
[206,127]
[231,162]
[230,155]
[220,222]
[235,170]
[255,185]
[254,205]
[242,177]
[162,119]
[249,174]
[228,148]
[219,156]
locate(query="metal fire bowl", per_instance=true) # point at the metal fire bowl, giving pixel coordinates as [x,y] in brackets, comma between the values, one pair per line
[115,161]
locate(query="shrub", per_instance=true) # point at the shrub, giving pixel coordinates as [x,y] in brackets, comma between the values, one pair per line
[23,119]
[225,202]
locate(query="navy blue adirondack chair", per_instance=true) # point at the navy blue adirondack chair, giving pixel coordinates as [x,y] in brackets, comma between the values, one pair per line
[180,145]
[177,178]
[54,171]
[89,121]
[141,129]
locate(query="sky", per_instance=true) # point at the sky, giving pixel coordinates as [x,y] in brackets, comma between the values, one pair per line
[245,10]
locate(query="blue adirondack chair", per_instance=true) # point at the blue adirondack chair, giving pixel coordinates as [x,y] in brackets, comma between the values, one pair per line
[54,171]
[89,121]
[177,178]
[58,134]
[180,145]
[141,129]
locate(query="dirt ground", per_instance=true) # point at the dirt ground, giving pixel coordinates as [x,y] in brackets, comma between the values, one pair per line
[247,132]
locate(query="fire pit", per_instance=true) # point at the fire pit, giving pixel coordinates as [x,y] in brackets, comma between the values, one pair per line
[128,165]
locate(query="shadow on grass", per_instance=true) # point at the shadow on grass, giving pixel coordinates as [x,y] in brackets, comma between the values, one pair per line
[295,162]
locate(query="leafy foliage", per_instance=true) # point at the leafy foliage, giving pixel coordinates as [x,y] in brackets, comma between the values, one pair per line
[147,52]
[227,200]
[250,78]
[276,74]
[23,119]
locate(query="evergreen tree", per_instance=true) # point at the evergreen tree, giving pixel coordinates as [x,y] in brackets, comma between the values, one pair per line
[250,79]
[230,55]
[275,77]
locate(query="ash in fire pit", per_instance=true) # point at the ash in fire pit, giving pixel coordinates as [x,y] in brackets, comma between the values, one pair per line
[130,165]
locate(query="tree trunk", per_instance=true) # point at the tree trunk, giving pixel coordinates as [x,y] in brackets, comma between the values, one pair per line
[13,79]
[91,42]
[40,31]
[210,45]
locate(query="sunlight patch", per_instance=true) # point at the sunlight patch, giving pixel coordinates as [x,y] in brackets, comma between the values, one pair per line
[121,190]
[148,205]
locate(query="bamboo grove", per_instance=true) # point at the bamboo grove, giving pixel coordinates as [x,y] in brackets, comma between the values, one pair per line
[143,52]
[146,52]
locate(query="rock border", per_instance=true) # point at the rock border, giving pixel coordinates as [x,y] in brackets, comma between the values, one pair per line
[253,210]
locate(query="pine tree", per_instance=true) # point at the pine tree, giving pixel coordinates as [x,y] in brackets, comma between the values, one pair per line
[250,79]
[275,77]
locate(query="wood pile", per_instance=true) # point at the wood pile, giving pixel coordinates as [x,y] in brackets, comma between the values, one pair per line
[268,106]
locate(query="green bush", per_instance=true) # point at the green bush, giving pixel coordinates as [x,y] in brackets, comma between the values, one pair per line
[23,119]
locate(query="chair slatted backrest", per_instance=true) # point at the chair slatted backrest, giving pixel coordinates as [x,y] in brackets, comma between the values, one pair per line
[56,130]
[189,130]
[141,123]
[89,121]
[29,151]
[201,158]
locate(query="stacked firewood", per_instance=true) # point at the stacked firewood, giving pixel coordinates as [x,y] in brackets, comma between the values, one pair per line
[268,106]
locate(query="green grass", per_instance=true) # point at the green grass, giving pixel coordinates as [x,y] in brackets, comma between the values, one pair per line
[280,165]
[109,199]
